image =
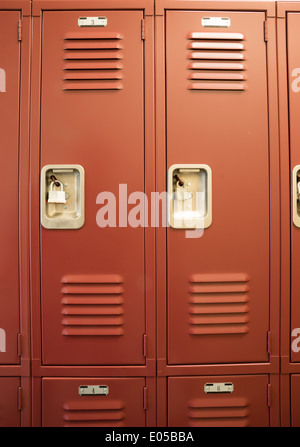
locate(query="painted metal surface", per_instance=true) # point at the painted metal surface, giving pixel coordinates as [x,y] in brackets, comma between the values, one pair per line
[218,290]
[63,406]
[93,299]
[293,67]
[9,161]
[295,400]
[246,406]
[10,415]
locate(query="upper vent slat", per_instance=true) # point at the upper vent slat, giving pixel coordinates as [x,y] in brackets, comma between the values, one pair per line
[93,86]
[216,56]
[217,76]
[96,35]
[93,65]
[216,66]
[219,52]
[217,36]
[215,46]
[217,86]
[93,75]
[91,52]
[93,45]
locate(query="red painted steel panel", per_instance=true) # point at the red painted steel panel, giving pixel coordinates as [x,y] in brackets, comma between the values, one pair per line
[220,320]
[122,406]
[9,159]
[293,41]
[189,405]
[295,400]
[102,130]
[10,415]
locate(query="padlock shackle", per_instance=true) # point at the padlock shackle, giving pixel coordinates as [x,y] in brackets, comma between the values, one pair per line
[61,185]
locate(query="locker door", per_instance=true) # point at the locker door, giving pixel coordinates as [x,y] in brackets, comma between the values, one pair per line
[9,412]
[63,406]
[293,41]
[217,115]
[295,400]
[246,405]
[9,158]
[93,300]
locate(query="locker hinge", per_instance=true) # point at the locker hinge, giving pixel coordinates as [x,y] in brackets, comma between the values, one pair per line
[269,395]
[20,398]
[269,342]
[19,344]
[266,31]
[145,351]
[143,29]
[19,30]
[145,404]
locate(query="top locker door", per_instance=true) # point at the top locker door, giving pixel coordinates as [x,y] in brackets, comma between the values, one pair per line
[217,115]
[9,161]
[93,297]
[293,41]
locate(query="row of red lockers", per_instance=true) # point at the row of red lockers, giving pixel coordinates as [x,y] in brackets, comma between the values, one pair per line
[149,313]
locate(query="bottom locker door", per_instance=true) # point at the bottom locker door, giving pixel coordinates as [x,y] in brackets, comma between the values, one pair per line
[88,402]
[218,401]
[295,400]
[9,405]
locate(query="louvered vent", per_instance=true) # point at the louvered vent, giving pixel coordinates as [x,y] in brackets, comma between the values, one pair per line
[92,61]
[94,414]
[218,304]
[231,412]
[92,305]
[217,61]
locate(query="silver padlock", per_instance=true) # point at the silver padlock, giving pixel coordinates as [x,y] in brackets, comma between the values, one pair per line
[57,196]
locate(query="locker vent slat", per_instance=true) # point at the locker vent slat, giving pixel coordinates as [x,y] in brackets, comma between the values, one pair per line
[217,61]
[219,412]
[218,304]
[92,61]
[92,305]
[89,413]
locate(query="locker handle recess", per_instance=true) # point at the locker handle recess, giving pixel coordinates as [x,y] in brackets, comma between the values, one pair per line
[190,196]
[62,197]
[296,196]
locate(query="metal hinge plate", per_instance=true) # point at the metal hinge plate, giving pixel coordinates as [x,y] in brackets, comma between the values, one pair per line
[269,395]
[145,351]
[143,29]
[145,405]
[266,31]
[19,344]
[269,342]
[19,30]
[20,398]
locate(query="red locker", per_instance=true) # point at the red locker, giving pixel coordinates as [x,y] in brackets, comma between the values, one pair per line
[10,50]
[217,118]
[293,40]
[10,415]
[220,401]
[120,404]
[288,40]
[92,116]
